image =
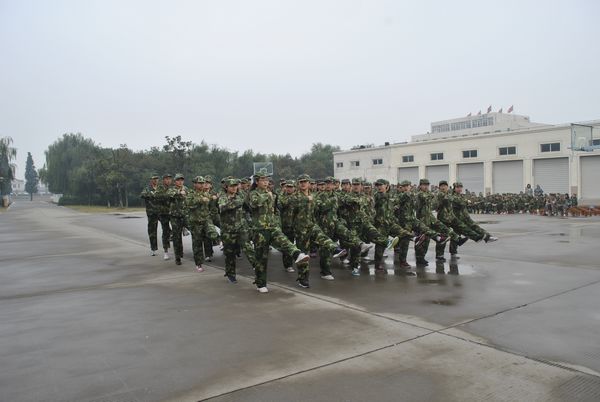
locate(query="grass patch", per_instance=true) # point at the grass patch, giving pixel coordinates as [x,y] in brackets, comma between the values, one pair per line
[96,209]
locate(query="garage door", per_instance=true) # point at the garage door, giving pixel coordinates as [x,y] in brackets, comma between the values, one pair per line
[590,178]
[437,173]
[409,173]
[507,177]
[551,174]
[471,176]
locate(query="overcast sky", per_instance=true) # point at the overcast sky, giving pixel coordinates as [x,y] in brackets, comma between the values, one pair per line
[277,76]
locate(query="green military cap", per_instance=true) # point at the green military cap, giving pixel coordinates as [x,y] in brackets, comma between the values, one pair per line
[282,181]
[356,180]
[198,179]
[262,173]
[458,184]
[313,181]
[329,179]
[232,182]
[244,180]
[443,182]
[321,181]
[167,175]
[208,178]
[303,177]
[290,183]
[179,176]
[154,176]
[405,183]
[224,179]
[423,181]
[366,183]
[345,181]
[380,182]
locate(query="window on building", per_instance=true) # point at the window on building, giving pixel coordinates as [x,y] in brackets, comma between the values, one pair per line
[339,164]
[377,161]
[507,150]
[472,153]
[553,147]
[596,142]
[354,163]
[408,158]
[437,156]
[442,128]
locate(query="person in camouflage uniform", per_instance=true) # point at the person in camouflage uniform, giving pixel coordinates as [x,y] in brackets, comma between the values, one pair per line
[151,212]
[384,220]
[214,216]
[285,207]
[423,206]
[459,208]
[404,211]
[199,220]
[308,232]
[352,209]
[178,213]
[163,206]
[266,231]
[233,228]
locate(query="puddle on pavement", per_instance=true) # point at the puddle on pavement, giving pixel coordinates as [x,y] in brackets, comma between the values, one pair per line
[487,222]
[130,217]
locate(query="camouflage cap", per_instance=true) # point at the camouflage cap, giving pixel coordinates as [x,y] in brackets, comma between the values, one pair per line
[167,175]
[303,177]
[458,184]
[198,179]
[232,182]
[290,183]
[405,183]
[262,173]
[244,180]
[179,176]
[356,180]
[345,181]
[321,181]
[366,184]
[313,181]
[154,176]
[443,183]
[423,181]
[329,179]
[224,179]
[381,182]
[282,181]
[208,178]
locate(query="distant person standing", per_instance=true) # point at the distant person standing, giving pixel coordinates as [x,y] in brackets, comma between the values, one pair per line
[528,190]
[163,204]
[538,191]
[151,212]
[178,211]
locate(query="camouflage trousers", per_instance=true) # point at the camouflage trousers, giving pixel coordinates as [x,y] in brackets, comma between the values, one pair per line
[418,227]
[314,236]
[368,234]
[438,227]
[152,230]
[348,239]
[393,229]
[288,231]
[232,242]
[166,230]
[177,224]
[472,226]
[201,231]
[263,238]
[460,228]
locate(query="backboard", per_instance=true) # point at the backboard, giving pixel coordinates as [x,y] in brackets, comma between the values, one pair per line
[585,138]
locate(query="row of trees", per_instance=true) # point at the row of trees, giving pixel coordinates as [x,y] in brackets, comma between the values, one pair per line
[7,168]
[86,173]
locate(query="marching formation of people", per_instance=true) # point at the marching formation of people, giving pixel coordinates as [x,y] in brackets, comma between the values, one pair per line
[306,218]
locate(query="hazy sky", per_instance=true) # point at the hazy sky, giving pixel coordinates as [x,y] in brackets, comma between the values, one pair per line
[277,76]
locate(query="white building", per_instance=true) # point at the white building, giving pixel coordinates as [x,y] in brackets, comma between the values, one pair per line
[488,153]
[18,186]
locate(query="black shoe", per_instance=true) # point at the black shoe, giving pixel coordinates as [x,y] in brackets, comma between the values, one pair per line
[231,279]
[422,262]
[177,261]
[440,258]
[303,283]
[462,240]
[454,257]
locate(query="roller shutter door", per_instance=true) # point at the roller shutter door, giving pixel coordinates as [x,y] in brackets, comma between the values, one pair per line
[471,176]
[409,173]
[590,178]
[507,177]
[551,174]
[437,173]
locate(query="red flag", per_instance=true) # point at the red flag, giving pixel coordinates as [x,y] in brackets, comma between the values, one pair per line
[489,108]
[500,111]
[479,113]
[469,115]
[510,109]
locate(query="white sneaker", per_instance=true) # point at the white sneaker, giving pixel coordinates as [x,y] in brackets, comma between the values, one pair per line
[290,269]
[327,277]
[166,256]
[208,259]
[355,272]
[263,290]
[152,253]
[199,268]
[491,238]
[364,247]
[302,258]
[340,254]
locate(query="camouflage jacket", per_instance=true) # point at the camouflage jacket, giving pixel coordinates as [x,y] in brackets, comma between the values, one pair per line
[285,205]
[304,211]
[326,209]
[262,205]
[152,207]
[162,199]
[404,208]
[232,214]
[383,209]
[352,207]
[178,201]
[444,207]
[423,207]
[198,206]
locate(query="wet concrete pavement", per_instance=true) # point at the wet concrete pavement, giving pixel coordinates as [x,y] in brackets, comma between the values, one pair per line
[87,314]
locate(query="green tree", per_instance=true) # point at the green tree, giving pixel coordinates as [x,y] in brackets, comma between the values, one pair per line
[7,168]
[31,177]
